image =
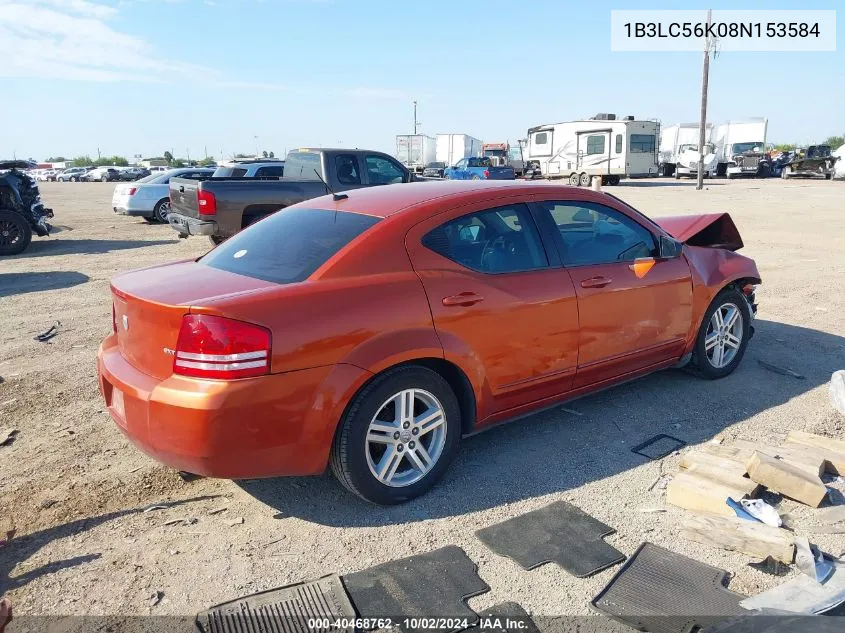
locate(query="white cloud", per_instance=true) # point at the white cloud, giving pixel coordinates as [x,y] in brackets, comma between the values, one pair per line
[70,39]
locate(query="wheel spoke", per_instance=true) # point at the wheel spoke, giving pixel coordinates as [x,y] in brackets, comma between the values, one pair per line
[732,316]
[732,341]
[381,432]
[420,458]
[718,350]
[429,421]
[711,340]
[719,319]
[389,464]
[406,408]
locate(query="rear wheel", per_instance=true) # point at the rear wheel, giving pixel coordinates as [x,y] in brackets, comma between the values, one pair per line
[15,233]
[573,180]
[398,436]
[723,336]
[614,180]
[584,179]
[162,210]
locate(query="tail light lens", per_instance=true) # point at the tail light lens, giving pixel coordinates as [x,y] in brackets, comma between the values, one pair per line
[132,191]
[113,319]
[486,173]
[206,202]
[221,348]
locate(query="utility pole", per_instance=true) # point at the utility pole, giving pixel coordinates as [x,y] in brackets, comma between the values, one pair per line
[416,123]
[702,126]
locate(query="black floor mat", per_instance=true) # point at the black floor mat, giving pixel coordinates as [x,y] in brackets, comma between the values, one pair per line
[663,592]
[559,533]
[507,617]
[431,585]
[289,609]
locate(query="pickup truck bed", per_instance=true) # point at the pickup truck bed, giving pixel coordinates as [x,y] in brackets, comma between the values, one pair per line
[220,207]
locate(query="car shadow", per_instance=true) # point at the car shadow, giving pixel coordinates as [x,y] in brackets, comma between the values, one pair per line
[21,283]
[584,440]
[39,248]
[24,547]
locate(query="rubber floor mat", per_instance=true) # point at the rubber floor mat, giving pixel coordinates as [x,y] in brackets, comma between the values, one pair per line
[507,617]
[663,592]
[301,608]
[559,533]
[415,592]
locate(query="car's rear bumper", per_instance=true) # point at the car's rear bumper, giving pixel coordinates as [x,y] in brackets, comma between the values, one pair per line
[122,209]
[275,425]
[191,226]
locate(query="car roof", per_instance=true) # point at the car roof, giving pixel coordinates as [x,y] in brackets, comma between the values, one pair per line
[384,201]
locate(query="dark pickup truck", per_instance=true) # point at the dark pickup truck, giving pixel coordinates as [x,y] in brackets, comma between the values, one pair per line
[220,207]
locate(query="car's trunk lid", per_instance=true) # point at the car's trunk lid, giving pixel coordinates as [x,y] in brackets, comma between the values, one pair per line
[149,305]
[716,230]
[183,196]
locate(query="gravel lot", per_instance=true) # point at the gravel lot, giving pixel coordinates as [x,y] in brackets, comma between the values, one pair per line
[75,486]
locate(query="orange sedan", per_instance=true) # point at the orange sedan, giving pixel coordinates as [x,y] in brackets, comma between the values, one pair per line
[372,330]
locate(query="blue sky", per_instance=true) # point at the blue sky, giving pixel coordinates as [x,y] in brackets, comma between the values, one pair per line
[142,76]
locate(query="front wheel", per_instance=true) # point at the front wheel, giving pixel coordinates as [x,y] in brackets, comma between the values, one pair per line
[162,210]
[398,436]
[15,233]
[723,336]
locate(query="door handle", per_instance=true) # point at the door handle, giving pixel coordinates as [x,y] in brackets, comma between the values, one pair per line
[595,282]
[181,188]
[463,299]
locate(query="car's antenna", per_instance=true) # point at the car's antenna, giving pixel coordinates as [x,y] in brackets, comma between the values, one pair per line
[335,196]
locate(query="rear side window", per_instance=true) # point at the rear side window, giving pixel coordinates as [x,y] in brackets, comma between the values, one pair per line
[288,246]
[271,171]
[229,172]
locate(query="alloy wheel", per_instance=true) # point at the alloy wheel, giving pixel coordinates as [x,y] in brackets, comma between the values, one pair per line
[406,437]
[10,233]
[724,335]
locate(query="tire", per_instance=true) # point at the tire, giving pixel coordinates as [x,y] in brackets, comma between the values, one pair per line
[614,181]
[475,177]
[74,179]
[784,173]
[162,210]
[584,179]
[354,460]
[217,240]
[573,180]
[676,174]
[104,178]
[15,233]
[704,361]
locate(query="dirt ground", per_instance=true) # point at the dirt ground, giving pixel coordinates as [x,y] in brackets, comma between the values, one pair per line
[76,488]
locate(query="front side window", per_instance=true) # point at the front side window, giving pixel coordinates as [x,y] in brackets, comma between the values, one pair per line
[642,143]
[595,234]
[382,171]
[595,144]
[500,240]
[541,139]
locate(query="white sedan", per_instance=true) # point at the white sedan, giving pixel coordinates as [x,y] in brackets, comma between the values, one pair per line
[150,196]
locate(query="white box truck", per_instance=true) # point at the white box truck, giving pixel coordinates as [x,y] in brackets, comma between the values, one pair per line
[453,147]
[677,140]
[415,151]
[740,148]
[601,146]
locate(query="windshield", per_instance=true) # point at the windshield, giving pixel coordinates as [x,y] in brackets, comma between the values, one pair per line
[741,148]
[289,245]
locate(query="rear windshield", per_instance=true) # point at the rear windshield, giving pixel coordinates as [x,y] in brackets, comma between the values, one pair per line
[289,245]
[303,166]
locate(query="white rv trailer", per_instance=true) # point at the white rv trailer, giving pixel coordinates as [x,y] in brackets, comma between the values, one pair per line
[453,147]
[676,141]
[603,146]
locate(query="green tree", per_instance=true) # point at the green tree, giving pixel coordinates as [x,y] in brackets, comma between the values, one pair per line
[116,161]
[243,156]
[835,142]
[785,147]
[56,159]
[168,157]
[82,161]
[265,153]
[177,162]
[272,155]
[208,160]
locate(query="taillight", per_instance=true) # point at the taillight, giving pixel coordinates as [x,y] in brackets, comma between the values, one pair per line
[113,319]
[206,202]
[132,191]
[217,347]
[486,173]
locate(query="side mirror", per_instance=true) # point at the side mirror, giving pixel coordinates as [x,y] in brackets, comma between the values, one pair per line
[669,248]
